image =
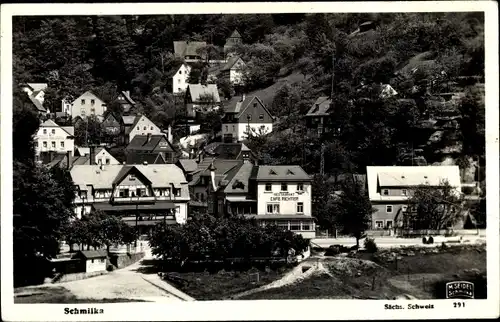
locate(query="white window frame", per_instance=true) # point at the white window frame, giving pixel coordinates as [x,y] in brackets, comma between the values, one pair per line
[377,226]
[404,192]
[300,187]
[384,192]
[53,131]
[387,224]
[300,205]
[387,209]
[270,187]
[44,131]
[404,208]
[284,184]
[274,206]
[53,144]
[62,144]
[44,144]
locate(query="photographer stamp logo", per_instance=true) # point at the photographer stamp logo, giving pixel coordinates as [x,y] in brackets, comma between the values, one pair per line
[460,290]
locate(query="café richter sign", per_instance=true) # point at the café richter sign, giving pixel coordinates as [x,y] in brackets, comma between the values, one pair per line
[284,196]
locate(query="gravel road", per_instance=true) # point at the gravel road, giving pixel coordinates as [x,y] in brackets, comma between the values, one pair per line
[123,283]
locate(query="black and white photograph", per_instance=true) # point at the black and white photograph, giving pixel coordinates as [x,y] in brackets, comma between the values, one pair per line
[223,156]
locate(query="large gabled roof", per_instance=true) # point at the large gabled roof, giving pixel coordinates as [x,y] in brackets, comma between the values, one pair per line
[238,107]
[188,48]
[37,104]
[198,90]
[321,107]
[409,176]
[240,181]
[235,34]
[281,173]
[148,143]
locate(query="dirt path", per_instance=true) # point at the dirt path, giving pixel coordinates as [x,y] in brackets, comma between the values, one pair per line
[418,285]
[127,282]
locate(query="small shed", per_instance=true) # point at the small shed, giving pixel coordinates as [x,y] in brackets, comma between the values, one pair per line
[95,260]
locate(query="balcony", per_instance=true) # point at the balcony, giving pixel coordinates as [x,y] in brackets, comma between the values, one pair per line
[134,200]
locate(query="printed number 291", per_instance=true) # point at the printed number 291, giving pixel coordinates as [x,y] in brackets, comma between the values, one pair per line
[458,304]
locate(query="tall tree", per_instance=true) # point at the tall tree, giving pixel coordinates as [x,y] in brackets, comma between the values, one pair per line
[354,209]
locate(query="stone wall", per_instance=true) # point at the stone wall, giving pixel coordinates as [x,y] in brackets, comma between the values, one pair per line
[120,260]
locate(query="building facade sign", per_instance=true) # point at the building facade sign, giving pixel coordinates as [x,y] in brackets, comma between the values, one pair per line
[284,196]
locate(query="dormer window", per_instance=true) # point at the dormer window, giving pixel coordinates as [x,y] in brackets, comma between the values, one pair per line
[272,172]
[289,172]
[261,117]
[385,192]
[132,177]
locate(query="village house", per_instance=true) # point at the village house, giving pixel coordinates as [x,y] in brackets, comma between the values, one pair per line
[318,118]
[278,195]
[200,184]
[190,51]
[133,125]
[125,101]
[390,187]
[229,151]
[92,260]
[233,40]
[86,105]
[142,194]
[201,98]
[178,78]
[92,155]
[152,148]
[65,107]
[53,138]
[36,94]
[111,124]
[232,71]
[246,116]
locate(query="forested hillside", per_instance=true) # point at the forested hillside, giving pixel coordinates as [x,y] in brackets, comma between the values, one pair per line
[325,53]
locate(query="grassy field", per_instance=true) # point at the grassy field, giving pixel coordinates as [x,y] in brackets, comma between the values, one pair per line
[222,285]
[43,295]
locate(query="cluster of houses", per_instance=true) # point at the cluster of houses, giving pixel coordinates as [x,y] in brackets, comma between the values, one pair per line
[153,182]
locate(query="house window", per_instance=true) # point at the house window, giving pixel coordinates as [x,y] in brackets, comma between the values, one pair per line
[249,117]
[284,187]
[404,208]
[62,144]
[385,192]
[132,177]
[300,187]
[261,117]
[178,81]
[269,187]
[254,104]
[151,128]
[379,224]
[273,208]
[107,161]
[388,209]
[44,131]
[92,102]
[180,72]
[53,144]
[144,128]
[227,128]
[138,128]
[102,260]
[234,129]
[92,261]
[36,144]
[177,192]
[53,131]
[294,225]
[404,192]
[44,144]
[83,102]
[388,224]
[300,207]
[306,226]
[179,89]
[92,110]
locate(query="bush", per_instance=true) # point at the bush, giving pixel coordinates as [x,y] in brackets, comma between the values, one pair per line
[110,268]
[332,250]
[430,240]
[370,245]
[424,240]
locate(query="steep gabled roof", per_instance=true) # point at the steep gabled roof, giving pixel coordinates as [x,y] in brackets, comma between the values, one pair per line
[188,165]
[148,143]
[36,87]
[198,90]
[140,158]
[37,104]
[126,98]
[49,123]
[69,129]
[235,34]
[320,107]
[239,107]
[239,182]
[91,93]
[281,173]
[129,119]
[188,48]
[231,62]
[174,68]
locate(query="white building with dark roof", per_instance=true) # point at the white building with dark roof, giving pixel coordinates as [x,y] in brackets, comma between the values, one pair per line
[390,187]
[54,138]
[152,192]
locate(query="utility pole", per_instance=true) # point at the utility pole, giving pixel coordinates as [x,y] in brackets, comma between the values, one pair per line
[322,163]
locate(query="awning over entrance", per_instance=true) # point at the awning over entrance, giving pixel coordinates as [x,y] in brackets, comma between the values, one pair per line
[278,217]
[156,206]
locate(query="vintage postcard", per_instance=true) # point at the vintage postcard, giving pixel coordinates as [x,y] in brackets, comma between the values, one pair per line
[249,161]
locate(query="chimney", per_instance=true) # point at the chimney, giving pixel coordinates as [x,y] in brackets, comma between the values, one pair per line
[169,135]
[92,155]
[145,163]
[68,160]
[148,138]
